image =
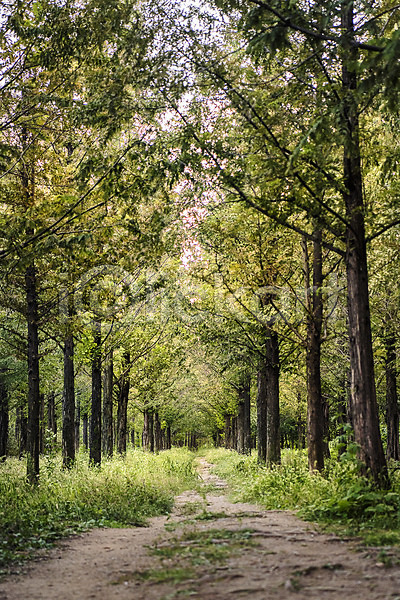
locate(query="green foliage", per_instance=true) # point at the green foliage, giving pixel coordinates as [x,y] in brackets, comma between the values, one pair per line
[125,491]
[339,497]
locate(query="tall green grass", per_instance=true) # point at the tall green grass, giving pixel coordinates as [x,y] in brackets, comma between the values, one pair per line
[124,491]
[339,497]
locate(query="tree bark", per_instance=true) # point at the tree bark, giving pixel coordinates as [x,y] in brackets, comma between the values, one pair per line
[4,418]
[227,431]
[148,430]
[262,413]
[51,413]
[314,308]
[168,441]
[392,403]
[77,424]
[108,441]
[85,437]
[68,433]
[122,409]
[363,391]
[95,422]
[157,433]
[33,428]
[273,449]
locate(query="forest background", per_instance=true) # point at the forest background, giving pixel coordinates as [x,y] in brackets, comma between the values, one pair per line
[199,231]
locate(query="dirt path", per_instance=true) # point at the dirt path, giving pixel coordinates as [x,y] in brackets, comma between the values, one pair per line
[208,548]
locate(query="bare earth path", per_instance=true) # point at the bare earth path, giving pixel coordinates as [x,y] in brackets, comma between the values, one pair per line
[209,548]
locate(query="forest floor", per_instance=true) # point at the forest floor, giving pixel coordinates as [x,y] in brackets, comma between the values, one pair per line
[209,548]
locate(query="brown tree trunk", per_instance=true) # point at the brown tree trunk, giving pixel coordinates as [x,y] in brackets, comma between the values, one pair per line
[4,417]
[168,440]
[314,308]
[68,432]
[41,425]
[77,424]
[108,379]
[51,413]
[85,427]
[95,419]
[392,403]
[122,408]
[363,392]
[273,450]
[157,433]
[21,430]
[227,431]
[33,428]
[262,413]
[240,426]
[148,430]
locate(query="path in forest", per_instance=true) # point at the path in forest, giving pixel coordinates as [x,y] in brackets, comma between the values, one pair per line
[209,548]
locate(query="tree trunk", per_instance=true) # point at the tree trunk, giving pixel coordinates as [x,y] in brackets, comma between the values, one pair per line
[51,413]
[245,395]
[33,429]
[95,421]
[108,379]
[262,413]
[314,307]
[227,431]
[392,403]
[77,424]
[21,430]
[122,409]
[273,450]
[41,425]
[4,418]
[363,392]
[68,433]
[157,433]
[148,430]
[240,425]
[168,442]
[85,437]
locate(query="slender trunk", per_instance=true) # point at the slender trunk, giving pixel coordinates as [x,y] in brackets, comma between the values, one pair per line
[314,307]
[51,413]
[146,429]
[108,441]
[157,433]
[392,403]
[95,421]
[168,441]
[261,413]
[122,409]
[33,430]
[240,425]
[21,431]
[41,425]
[85,427]
[227,431]
[273,450]
[151,431]
[68,433]
[77,424]
[4,418]
[363,392]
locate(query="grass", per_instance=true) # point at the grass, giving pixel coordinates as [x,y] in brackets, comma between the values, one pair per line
[339,498]
[124,491]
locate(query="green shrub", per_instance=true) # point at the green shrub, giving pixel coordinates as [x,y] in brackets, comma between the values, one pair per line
[339,496]
[123,491]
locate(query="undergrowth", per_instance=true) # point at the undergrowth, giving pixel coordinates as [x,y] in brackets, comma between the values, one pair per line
[123,491]
[339,498]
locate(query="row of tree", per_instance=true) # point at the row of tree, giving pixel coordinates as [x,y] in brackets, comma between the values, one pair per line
[188,197]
